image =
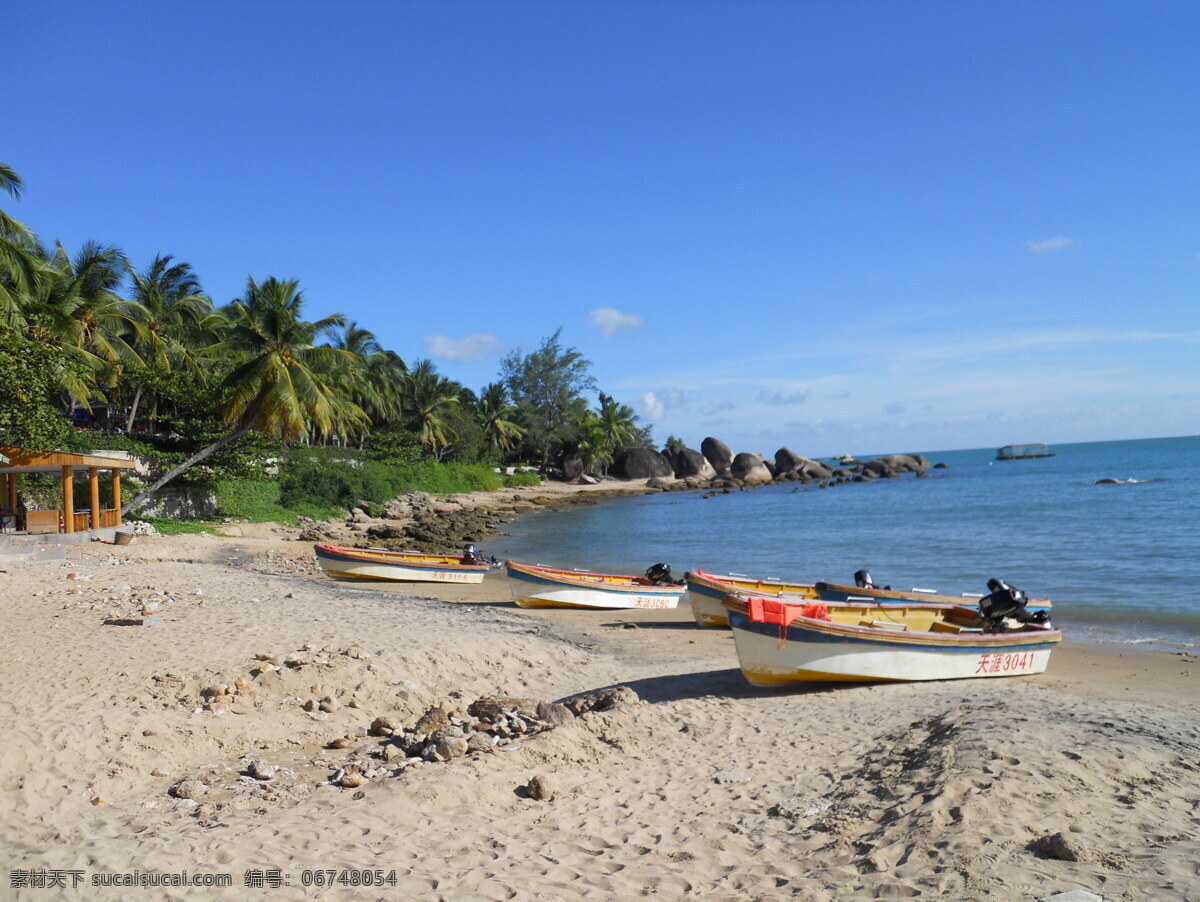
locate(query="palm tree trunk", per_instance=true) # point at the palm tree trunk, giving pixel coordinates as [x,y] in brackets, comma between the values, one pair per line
[220,443]
[137,397]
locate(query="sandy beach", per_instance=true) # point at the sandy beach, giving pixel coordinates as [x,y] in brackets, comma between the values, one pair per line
[703,787]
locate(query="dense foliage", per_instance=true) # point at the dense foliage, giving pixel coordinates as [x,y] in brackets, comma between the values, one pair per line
[146,361]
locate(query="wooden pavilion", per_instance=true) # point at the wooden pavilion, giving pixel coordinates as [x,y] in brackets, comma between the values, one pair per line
[67,466]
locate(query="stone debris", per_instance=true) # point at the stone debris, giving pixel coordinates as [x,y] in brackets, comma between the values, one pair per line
[604,700]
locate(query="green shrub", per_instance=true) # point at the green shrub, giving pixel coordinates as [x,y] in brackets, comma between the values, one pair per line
[259,502]
[525,478]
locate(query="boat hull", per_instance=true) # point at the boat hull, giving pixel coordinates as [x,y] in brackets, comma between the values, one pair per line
[350,563]
[537,588]
[811,654]
[706,591]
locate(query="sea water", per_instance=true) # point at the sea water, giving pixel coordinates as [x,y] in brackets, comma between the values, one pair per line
[1120,562]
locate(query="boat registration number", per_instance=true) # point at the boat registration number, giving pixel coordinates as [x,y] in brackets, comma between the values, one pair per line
[644,601]
[450,577]
[1004,663]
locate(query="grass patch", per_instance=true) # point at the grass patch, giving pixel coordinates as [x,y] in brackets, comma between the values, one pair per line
[179,527]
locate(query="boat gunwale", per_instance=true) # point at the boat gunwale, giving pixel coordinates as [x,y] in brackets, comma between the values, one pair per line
[845,631]
[414,559]
[910,596]
[709,579]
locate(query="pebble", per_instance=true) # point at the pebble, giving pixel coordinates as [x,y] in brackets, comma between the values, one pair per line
[329,704]
[189,789]
[384,726]
[352,778]
[343,743]
[554,714]
[260,771]
[540,788]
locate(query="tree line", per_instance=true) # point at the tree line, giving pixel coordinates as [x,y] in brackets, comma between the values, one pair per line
[90,327]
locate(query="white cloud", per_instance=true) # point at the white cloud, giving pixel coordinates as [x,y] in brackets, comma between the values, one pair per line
[473,347]
[653,408]
[1057,243]
[610,321]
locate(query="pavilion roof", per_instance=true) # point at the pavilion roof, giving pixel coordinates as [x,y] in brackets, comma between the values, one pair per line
[17,460]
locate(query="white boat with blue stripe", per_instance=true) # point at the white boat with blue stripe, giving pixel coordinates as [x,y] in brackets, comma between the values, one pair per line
[535,586]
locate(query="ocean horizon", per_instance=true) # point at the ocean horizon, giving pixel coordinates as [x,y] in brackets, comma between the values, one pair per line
[1120,561]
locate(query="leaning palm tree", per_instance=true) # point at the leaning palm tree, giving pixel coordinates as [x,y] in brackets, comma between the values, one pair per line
[278,386]
[496,414]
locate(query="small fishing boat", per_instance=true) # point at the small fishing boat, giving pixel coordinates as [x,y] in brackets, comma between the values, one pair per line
[839,592]
[402,566]
[706,591]
[779,644]
[535,586]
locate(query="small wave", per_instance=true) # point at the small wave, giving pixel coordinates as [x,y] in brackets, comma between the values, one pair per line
[1130,481]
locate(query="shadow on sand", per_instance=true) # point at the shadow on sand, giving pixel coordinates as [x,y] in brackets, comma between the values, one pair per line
[727,683]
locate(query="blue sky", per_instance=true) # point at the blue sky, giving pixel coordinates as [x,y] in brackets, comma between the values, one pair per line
[840,227]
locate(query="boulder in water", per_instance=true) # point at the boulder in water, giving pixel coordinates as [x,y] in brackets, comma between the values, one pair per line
[717,453]
[750,469]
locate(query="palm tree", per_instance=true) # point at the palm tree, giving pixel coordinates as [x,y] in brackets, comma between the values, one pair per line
[279,384]
[76,307]
[20,262]
[602,433]
[178,319]
[495,413]
[618,423]
[427,399]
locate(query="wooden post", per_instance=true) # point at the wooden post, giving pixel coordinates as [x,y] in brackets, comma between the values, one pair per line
[94,492]
[68,486]
[3,487]
[116,493]
[12,499]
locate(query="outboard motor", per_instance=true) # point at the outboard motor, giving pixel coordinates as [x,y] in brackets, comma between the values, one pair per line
[862,579]
[1006,602]
[660,575]
[471,555]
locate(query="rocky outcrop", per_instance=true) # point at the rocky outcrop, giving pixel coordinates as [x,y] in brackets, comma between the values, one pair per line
[895,464]
[689,462]
[788,461]
[640,463]
[750,469]
[717,453]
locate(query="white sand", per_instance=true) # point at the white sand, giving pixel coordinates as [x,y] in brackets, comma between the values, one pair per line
[709,788]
